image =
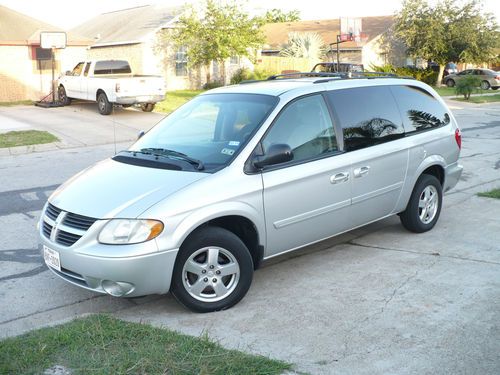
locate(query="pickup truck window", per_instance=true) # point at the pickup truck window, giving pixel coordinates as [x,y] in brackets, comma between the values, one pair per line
[112,67]
[77,70]
[87,68]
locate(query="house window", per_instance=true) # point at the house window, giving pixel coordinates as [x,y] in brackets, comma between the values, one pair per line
[181,62]
[234,60]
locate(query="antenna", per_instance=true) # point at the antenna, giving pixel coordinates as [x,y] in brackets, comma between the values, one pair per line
[114,126]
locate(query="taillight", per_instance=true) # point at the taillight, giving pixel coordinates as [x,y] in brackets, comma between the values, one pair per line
[458,138]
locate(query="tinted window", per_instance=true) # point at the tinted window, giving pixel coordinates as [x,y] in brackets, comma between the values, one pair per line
[420,110]
[112,67]
[77,70]
[212,128]
[86,71]
[306,127]
[368,116]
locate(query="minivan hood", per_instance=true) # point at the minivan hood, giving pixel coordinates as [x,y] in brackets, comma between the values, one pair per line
[112,189]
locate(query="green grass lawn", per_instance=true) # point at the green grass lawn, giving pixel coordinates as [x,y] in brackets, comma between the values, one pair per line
[445,91]
[175,99]
[26,138]
[101,344]
[17,102]
[495,193]
[481,99]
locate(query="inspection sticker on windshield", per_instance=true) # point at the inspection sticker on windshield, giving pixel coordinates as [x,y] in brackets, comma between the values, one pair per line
[227,151]
[234,143]
[51,257]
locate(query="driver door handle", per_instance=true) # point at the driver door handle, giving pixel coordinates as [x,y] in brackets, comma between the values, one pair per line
[339,177]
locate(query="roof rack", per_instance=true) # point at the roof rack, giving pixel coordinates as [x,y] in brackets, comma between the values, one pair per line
[326,77]
[304,75]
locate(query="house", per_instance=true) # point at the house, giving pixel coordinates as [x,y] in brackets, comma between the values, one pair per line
[25,68]
[140,35]
[370,49]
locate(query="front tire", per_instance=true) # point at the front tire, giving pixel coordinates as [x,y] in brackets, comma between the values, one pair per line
[213,270]
[424,207]
[63,97]
[450,83]
[147,107]
[103,104]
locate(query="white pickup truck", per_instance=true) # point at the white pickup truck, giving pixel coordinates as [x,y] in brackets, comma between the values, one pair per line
[110,82]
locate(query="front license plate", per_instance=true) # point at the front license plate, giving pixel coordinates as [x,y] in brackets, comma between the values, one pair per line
[51,258]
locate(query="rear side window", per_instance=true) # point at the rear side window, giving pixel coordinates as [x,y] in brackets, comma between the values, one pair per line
[420,110]
[368,116]
[112,67]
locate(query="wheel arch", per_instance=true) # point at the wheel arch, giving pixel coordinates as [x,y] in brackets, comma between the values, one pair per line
[433,165]
[98,92]
[241,221]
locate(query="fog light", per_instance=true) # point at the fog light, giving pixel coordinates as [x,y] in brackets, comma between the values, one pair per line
[116,289]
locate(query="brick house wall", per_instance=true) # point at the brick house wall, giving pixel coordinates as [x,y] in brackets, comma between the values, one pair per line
[22,77]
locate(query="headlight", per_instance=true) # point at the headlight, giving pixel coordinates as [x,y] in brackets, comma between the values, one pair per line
[129,231]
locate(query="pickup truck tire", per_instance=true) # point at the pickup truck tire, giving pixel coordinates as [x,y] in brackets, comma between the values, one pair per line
[103,104]
[63,98]
[147,107]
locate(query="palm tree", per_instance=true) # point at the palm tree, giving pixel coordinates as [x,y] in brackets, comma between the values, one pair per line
[309,45]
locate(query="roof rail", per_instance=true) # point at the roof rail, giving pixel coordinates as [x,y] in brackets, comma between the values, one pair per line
[305,74]
[326,76]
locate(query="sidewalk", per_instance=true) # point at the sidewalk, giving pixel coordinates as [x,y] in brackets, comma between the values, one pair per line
[78,125]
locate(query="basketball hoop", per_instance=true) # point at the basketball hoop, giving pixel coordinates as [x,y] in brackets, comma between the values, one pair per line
[52,40]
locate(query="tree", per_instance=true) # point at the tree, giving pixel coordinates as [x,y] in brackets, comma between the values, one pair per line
[277,15]
[309,45]
[447,32]
[221,31]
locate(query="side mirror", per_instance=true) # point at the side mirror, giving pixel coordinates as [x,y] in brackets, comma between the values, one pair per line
[68,73]
[276,154]
[140,135]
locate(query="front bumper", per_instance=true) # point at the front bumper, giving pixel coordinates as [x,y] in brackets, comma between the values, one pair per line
[127,276]
[452,175]
[139,99]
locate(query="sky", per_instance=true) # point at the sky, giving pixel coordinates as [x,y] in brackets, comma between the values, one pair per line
[70,13]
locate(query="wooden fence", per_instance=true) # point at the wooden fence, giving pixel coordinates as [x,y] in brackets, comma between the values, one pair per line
[277,64]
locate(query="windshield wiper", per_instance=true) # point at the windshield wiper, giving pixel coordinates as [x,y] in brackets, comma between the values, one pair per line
[174,154]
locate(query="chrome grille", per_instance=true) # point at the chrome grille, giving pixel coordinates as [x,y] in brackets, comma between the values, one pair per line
[78,221]
[52,211]
[47,229]
[69,227]
[66,238]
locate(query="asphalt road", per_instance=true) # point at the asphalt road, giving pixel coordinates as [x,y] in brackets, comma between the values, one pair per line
[377,300]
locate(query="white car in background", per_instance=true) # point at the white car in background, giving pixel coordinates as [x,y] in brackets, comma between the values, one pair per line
[110,82]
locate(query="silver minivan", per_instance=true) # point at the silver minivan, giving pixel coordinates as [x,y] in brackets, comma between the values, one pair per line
[245,173]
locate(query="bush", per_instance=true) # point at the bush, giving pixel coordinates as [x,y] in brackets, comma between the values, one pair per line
[245,74]
[466,86]
[425,75]
[212,85]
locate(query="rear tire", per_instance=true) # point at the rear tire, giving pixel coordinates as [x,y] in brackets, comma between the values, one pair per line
[148,107]
[450,83]
[485,85]
[103,104]
[213,270]
[424,207]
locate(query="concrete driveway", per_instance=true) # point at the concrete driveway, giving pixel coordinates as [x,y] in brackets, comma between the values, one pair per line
[377,300]
[77,125]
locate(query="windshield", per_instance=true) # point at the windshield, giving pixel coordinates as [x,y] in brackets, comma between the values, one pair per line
[210,129]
